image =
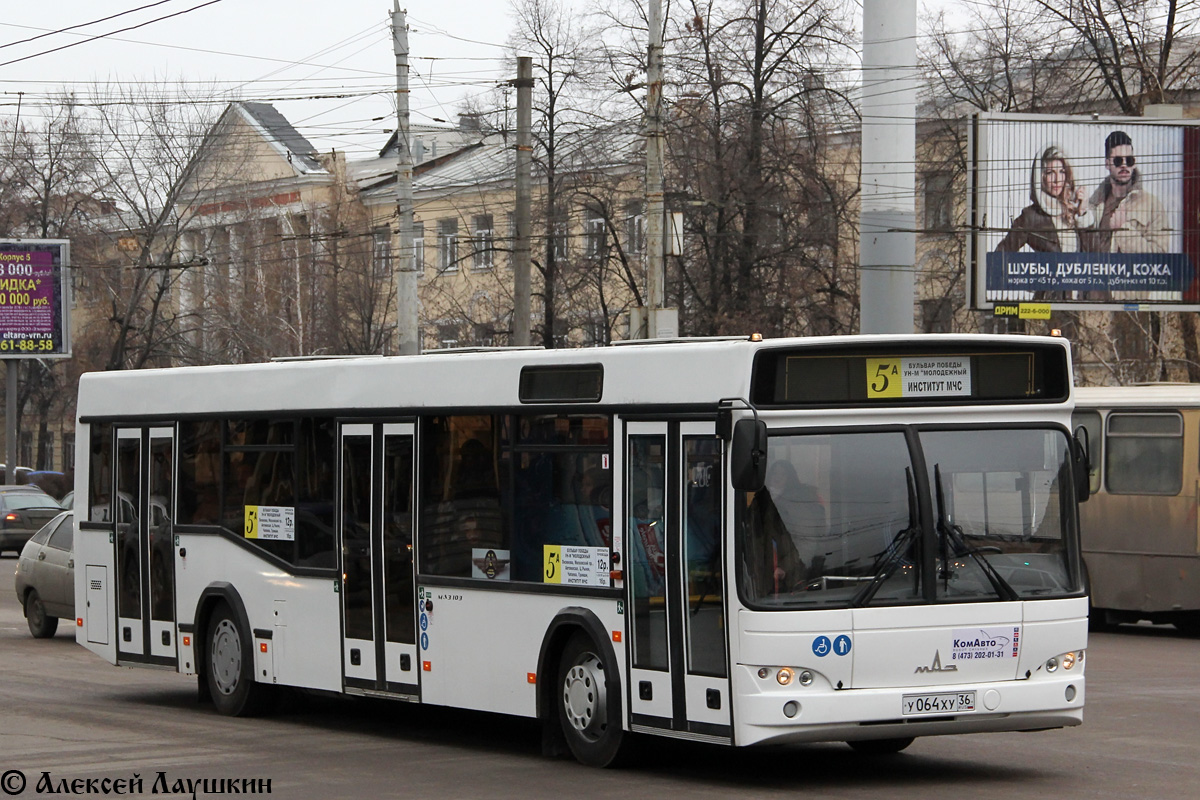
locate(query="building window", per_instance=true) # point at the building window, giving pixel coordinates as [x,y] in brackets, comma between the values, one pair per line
[635,229]
[482,243]
[45,459]
[419,247]
[448,334]
[595,234]
[939,201]
[937,316]
[68,452]
[25,450]
[381,252]
[561,239]
[447,245]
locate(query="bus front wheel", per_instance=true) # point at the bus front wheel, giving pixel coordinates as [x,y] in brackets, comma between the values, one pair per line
[231,667]
[589,717]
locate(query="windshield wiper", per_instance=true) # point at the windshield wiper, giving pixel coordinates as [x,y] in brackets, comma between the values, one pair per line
[954,533]
[890,558]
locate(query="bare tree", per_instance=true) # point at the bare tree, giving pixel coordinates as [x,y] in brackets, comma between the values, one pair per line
[152,156]
[759,165]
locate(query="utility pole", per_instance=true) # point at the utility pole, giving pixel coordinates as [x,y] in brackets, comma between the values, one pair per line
[887,224]
[522,215]
[654,173]
[407,318]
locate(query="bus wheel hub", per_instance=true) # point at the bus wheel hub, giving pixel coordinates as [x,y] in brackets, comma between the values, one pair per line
[584,699]
[226,657]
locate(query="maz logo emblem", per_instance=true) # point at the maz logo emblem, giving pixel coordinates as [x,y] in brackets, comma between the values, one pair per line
[936,666]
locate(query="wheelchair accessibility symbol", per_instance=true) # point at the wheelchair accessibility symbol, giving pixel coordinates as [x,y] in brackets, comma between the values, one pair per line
[821,646]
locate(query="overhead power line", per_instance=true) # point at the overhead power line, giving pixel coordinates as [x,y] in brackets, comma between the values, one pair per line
[84,24]
[110,33]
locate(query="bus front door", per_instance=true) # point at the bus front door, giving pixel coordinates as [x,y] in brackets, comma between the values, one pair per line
[143,512]
[679,676]
[375,528]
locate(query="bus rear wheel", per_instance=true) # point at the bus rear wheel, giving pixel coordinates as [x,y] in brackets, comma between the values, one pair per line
[881,747]
[588,715]
[230,671]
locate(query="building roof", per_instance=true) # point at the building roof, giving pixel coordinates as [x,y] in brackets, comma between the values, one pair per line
[280,133]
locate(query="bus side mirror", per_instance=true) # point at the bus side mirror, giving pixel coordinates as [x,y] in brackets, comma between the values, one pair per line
[748,455]
[1082,466]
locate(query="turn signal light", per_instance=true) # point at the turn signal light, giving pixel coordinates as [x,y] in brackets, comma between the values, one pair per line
[784,676]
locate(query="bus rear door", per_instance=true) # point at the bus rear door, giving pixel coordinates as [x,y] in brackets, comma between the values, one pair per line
[679,678]
[143,512]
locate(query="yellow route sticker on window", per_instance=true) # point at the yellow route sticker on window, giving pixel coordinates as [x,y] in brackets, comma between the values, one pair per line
[552,567]
[577,566]
[276,523]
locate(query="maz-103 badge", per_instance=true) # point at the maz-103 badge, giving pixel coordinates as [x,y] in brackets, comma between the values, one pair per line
[936,666]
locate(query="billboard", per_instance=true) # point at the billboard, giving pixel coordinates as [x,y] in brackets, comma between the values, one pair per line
[1085,212]
[34,298]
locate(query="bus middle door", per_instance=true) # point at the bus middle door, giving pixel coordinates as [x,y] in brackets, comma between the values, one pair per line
[679,676]
[375,530]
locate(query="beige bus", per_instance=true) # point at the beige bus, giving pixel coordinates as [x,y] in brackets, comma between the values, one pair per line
[1140,532]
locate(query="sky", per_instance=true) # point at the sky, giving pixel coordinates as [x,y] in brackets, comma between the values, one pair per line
[327,66]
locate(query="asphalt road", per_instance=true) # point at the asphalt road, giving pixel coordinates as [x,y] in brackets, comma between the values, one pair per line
[65,712]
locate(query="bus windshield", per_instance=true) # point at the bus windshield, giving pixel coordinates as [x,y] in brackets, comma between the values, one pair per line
[841,520]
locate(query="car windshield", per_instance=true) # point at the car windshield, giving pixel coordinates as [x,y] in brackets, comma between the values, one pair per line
[20,500]
[841,520]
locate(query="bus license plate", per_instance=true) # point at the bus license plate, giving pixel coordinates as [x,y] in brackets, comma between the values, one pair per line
[943,703]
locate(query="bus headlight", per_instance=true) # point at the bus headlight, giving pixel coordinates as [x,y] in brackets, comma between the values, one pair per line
[1067,661]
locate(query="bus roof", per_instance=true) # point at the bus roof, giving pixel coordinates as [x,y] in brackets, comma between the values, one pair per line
[676,373]
[1180,395]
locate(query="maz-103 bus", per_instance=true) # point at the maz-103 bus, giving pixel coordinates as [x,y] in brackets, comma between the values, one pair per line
[861,539]
[1141,536]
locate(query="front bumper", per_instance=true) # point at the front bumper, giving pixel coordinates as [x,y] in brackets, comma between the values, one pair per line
[822,713]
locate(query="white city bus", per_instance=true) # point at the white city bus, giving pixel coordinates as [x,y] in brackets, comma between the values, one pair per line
[861,539]
[1141,536]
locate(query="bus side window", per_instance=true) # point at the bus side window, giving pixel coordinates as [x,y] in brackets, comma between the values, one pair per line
[461,513]
[1144,453]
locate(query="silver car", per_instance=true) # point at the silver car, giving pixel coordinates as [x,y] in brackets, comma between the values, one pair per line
[46,576]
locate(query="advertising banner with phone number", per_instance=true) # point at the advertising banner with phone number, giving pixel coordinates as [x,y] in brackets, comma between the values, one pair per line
[33,299]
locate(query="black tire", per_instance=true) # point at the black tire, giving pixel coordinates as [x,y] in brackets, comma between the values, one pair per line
[881,747]
[41,624]
[1188,623]
[588,709]
[229,666]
